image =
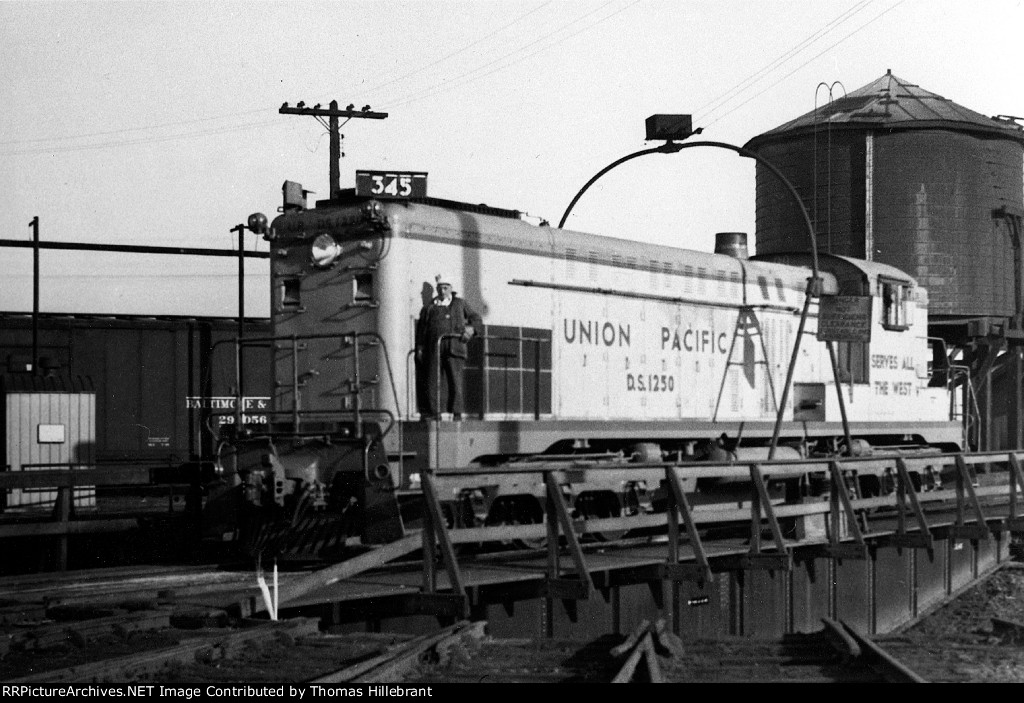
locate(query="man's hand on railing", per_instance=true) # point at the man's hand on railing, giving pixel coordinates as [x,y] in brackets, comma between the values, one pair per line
[468,333]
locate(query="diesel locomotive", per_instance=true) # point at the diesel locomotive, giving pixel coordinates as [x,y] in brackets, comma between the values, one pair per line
[592,346]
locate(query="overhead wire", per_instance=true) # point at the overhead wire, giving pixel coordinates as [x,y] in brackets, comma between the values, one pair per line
[232,115]
[448,84]
[141,140]
[713,105]
[465,48]
[816,56]
[465,78]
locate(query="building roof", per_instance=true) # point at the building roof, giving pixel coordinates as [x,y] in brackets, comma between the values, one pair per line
[893,103]
[34,383]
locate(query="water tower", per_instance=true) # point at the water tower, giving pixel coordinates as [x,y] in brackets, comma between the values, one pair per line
[896,174]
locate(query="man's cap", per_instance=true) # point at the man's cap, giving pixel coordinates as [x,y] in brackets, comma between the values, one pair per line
[443,279]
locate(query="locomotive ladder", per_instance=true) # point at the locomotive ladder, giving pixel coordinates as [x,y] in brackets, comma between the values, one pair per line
[747,322]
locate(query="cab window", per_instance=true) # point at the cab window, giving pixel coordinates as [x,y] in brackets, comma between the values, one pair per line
[895,295]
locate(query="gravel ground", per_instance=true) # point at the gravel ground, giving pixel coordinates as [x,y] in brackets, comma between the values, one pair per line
[961,641]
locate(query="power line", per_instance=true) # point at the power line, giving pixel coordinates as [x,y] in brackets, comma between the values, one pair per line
[819,54]
[144,140]
[220,130]
[713,105]
[444,85]
[89,135]
[459,51]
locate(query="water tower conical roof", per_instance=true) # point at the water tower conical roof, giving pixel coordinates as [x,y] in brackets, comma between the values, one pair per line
[893,103]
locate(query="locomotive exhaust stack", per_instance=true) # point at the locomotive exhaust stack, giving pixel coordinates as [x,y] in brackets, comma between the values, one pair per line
[732,244]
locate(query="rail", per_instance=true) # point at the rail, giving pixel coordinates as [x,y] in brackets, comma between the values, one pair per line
[900,516]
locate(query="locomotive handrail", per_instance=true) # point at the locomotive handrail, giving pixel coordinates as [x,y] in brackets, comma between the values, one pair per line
[536,341]
[355,335]
[970,425]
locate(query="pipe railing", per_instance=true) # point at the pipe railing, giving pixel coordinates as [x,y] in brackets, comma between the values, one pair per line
[296,412]
[56,513]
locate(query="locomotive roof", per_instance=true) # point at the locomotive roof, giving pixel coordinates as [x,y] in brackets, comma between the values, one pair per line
[854,276]
[441,212]
[348,197]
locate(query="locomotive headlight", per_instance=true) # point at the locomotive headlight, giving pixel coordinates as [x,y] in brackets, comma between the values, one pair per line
[373,211]
[258,223]
[325,251]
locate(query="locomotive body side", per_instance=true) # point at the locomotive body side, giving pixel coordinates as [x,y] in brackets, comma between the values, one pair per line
[591,345]
[637,332]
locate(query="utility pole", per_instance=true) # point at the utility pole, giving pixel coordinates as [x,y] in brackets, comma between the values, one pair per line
[333,113]
[34,224]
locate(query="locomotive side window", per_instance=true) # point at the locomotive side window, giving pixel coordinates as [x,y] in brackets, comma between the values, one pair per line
[894,304]
[362,288]
[291,293]
[502,371]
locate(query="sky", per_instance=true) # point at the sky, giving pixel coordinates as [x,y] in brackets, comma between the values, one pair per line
[157,123]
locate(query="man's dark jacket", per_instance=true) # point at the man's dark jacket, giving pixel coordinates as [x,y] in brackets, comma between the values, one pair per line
[438,320]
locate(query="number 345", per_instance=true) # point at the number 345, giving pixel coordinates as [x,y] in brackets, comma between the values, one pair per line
[393,185]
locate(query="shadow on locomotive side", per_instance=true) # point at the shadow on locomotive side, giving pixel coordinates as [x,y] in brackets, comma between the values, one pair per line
[594,349]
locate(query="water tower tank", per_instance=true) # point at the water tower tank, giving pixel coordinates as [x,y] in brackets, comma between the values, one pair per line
[895,174]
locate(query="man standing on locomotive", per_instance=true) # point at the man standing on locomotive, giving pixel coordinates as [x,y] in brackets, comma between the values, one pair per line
[447,314]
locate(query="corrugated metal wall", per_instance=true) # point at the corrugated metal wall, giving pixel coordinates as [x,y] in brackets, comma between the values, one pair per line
[53,429]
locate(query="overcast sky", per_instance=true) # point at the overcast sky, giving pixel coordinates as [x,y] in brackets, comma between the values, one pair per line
[156,123]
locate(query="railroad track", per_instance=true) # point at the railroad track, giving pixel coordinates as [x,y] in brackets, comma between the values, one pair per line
[836,654]
[164,645]
[153,625]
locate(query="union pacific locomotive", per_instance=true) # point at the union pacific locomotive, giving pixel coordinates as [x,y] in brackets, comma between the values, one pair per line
[591,346]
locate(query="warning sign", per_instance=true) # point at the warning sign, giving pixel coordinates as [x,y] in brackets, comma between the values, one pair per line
[844,318]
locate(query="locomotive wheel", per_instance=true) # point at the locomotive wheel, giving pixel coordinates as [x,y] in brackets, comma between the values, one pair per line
[605,504]
[518,510]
